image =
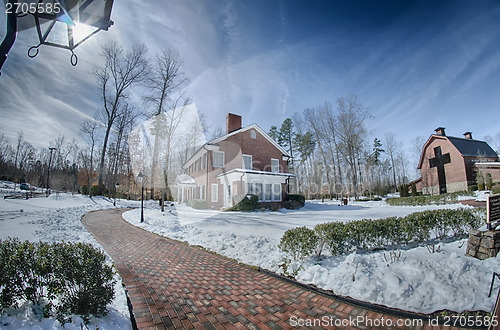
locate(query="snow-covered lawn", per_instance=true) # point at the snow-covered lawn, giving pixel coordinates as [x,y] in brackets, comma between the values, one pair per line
[417,280]
[412,279]
[56,218]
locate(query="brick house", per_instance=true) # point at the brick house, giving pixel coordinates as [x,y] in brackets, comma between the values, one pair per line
[244,161]
[449,164]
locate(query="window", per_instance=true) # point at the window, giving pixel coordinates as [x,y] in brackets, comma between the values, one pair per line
[275,165]
[277,192]
[247,162]
[202,192]
[218,159]
[253,134]
[215,193]
[203,161]
[268,191]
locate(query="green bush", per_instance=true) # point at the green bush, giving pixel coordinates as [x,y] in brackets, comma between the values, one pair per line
[60,278]
[199,204]
[296,197]
[403,190]
[472,188]
[298,242]
[245,202]
[331,235]
[341,237]
[426,200]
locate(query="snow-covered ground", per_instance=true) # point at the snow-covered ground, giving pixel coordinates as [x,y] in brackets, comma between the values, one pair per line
[418,281]
[412,279]
[56,218]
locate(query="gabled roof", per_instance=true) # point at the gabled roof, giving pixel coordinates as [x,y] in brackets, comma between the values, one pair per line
[469,147]
[214,143]
[466,147]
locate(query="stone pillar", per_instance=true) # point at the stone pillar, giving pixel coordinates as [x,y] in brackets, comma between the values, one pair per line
[483,244]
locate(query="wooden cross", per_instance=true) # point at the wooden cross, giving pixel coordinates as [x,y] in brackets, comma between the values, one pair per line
[438,161]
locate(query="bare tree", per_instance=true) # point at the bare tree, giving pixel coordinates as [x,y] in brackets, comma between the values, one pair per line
[392,147]
[90,133]
[166,83]
[351,132]
[120,72]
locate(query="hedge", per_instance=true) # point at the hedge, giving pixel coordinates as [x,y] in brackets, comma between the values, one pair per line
[426,200]
[341,237]
[199,204]
[61,279]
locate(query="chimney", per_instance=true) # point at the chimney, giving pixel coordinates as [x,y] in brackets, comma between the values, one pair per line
[233,123]
[440,131]
[468,135]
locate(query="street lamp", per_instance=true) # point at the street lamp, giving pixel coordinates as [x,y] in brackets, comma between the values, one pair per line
[116,188]
[48,171]
[142,178]
[75,14]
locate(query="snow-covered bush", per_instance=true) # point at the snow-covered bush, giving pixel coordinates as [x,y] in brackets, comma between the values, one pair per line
[298,242]
[331,235]
[59,279]
[245,202]
[342,237]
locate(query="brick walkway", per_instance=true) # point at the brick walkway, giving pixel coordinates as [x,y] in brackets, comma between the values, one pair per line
[173,285]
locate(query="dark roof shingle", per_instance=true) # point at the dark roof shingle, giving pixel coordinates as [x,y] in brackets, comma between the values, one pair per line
[468,147]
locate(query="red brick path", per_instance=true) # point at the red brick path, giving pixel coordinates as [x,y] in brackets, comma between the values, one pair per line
[174,285]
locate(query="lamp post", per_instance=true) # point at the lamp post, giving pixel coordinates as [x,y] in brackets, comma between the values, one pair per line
[73,13]
[116,188]
[48,171]
[142,178]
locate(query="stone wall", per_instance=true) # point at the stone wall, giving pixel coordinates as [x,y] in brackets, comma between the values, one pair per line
[483,244]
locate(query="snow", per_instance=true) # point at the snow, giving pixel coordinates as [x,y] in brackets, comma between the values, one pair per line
[50,219]
[409,278]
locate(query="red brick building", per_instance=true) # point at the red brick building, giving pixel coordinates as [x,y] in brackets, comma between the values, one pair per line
[244,161]
[449,164]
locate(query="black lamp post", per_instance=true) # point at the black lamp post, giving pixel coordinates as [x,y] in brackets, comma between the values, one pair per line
[92,13]
[48,171]
[116,188]
[142,177]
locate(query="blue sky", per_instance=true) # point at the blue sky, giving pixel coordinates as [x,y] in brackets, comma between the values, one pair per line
[416,65]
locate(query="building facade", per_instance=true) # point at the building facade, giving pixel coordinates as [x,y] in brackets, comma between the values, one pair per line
[450,164]
[243,161]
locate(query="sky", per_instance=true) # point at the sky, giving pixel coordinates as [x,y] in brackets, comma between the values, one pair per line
[416,65]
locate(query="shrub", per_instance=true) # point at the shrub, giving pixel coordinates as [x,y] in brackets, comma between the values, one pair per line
[373,234]
[244,203]
[403,190]
[298,242]
[60,278]
[332,235]
[472,188]
[294,202]
[199,204]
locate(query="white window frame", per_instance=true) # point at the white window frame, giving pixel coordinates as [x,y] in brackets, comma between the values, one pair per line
[203,161]
[214,193]
[266,197]
[276,167]
[218,153]
[202,192]
[243,161]
[253,134]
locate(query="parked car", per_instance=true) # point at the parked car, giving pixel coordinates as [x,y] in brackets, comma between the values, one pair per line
[25,186]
